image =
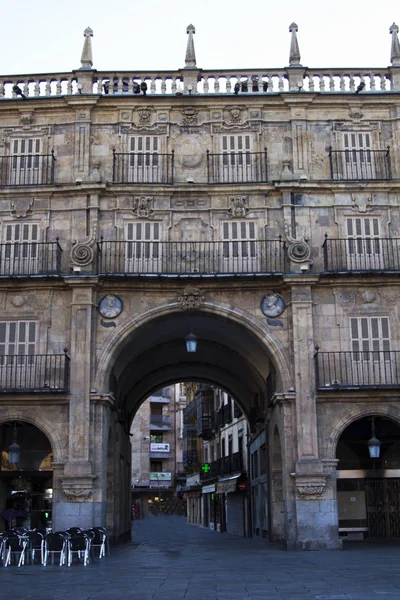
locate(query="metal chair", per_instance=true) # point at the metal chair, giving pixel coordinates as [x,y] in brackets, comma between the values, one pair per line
[14,545]
[106,540]
[74,530]
[55,543]
[98,541]
[79,545]
[36,543]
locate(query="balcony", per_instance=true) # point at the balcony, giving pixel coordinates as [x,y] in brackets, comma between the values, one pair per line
[360,165]
[190,413]
[27,169]
[30,259]
[231,464]
[205,414]
[237,167]
[160,479]
[160,422]
[189,457]
[357,370]
[143,168]
[191,259]
[34,373]
[224,415]
[361,254]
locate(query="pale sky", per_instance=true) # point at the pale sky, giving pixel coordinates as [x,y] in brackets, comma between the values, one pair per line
[46,36]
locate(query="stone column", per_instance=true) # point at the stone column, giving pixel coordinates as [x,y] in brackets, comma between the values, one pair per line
[78,477]
[313,509]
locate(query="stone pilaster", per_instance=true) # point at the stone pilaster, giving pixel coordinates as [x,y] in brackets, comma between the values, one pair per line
[313,508]
[78,477]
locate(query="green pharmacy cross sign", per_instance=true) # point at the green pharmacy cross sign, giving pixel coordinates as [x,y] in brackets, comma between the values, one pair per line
[206,467]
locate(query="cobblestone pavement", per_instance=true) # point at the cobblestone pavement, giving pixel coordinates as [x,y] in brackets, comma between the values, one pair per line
[170,560]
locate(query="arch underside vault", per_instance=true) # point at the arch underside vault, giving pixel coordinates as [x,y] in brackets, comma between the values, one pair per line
[230,354]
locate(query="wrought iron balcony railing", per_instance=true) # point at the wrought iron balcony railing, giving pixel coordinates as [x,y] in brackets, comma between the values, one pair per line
[143,167]
[358,369]
[27,169]
[237,167]
[232,464]
[356,165]
[361,254]
[34,373]
[191,258]
[27,259]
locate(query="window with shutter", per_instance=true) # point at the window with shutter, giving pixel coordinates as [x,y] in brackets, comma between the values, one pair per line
[144,158]
[143,247]
[370,345]
[364,249]
[25,161]
[17,338]
[239,246]
[358,156]
[20,250]
[237,161]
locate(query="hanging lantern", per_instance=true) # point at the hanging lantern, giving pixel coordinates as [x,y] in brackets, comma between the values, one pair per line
[374,445]
[191,342]
[14,450]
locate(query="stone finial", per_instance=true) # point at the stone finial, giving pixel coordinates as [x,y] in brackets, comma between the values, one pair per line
[294,56]
[87,56]
[395,51]
[190,59]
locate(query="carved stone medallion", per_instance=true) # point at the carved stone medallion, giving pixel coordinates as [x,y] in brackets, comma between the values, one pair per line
[191,297]
[239,206]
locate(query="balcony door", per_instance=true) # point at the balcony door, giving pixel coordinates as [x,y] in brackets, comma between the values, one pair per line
[358,160]
[17,354]
[144,163]
[25,162]
[371,360]
[143,252]
[239,247]
[364,246]
[20,252]
[236,163]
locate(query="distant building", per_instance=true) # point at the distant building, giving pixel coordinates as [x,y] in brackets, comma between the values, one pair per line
[156,438]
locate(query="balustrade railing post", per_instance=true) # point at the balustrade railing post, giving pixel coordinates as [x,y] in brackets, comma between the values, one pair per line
[266,165]
[330,161]
[388,163]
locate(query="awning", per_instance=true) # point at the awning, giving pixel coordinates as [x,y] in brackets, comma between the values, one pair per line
[227,484]
[208,489]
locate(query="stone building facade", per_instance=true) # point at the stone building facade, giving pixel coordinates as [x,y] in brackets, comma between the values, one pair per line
[258,210]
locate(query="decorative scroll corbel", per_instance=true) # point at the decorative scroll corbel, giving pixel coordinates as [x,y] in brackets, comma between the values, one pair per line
[298,250]
[82,253]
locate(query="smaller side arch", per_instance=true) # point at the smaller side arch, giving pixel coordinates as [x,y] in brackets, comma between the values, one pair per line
[39,420]
[354,414]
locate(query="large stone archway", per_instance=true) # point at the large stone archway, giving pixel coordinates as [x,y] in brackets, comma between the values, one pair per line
[235,352]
